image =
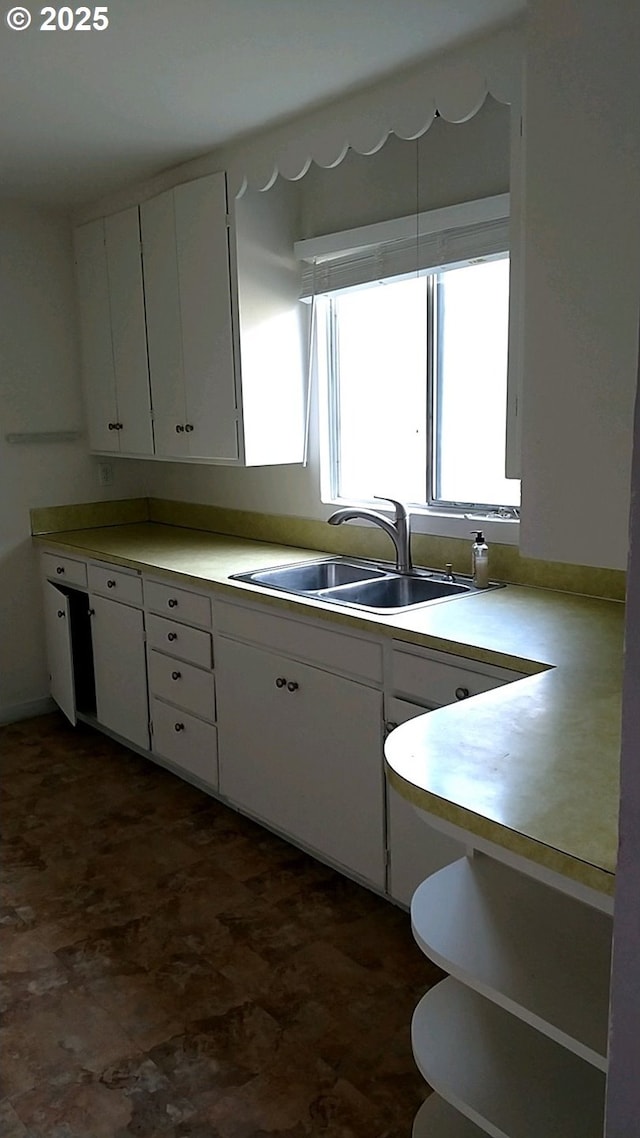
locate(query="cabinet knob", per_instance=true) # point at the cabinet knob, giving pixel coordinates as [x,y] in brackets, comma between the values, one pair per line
[292,685]
[92,612]
[179,428]
[60,612]
[172,603]
[59,568]
[188,428]
[113,427]
[178,727]
[172,636]
[111,584]
[176,675]
[462,693]
[280,682]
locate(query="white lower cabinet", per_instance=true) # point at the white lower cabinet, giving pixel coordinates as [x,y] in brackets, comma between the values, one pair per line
[416,849]
[57,616]
[300,750]
[182,695]
[117,633]
[190,744]
[426,680]
[96,645]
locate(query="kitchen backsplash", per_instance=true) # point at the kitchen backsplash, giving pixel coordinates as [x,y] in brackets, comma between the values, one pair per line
[506,563]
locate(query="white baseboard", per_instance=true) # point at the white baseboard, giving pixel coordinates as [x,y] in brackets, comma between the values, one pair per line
[13,713]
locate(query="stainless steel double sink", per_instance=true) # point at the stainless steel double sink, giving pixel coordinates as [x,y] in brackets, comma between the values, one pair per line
[372,586]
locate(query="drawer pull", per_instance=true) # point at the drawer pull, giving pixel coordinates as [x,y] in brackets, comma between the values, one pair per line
[292,685]
[178,727]
[179,428]
[60,612]
[172,603]
[176,675]
[172,636]
[462,693]
[188,428]
[111,584]
[59,568]
[280,682]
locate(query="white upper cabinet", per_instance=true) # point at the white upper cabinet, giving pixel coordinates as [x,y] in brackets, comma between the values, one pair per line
[188,301]
[113,337]
[213,295]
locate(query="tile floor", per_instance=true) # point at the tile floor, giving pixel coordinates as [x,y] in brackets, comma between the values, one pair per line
[169,968]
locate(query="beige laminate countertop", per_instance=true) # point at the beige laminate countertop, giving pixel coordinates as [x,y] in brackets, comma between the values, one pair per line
[532,765]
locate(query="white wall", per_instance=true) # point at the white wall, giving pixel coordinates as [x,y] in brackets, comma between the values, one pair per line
[39,391]
[582,278]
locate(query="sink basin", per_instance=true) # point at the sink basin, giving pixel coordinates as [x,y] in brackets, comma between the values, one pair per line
[312,576]
[376,588]
[393,592]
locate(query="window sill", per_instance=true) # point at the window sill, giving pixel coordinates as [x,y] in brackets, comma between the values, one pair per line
[442,523]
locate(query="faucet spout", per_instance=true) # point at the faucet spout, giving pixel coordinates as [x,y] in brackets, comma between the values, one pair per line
[399,530]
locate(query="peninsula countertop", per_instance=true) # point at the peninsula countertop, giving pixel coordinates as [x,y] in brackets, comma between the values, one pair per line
[532,765]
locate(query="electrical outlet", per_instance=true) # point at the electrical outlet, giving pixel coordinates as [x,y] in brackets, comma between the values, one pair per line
[105,473]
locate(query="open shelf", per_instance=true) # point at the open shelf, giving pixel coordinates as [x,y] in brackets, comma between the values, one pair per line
[504,1076]
[436,1119]
[539,954]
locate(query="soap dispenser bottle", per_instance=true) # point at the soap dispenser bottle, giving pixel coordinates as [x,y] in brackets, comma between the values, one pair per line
[479,560]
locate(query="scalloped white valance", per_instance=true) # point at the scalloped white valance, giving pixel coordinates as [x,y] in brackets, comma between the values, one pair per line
[455,84]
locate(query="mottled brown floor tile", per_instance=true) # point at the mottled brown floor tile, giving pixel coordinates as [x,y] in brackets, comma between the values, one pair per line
[172,969]
[56,1038]
[307,1101]
[10,1125]
[81,1110]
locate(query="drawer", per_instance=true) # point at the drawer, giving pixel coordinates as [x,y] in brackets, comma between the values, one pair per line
[397,711]
[189,743]
[312,643]
[115,584]
[64,569]
[180,640]
[437,681]
[193,608]
[188,687]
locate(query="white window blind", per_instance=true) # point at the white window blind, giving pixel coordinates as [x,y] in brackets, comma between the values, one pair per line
[454,235]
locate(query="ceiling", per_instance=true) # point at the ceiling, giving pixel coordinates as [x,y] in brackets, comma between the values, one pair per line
[86,112]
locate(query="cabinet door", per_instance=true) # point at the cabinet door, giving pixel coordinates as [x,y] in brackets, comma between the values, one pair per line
[202,243]
[303,755]
[188,299]
[128,331]
[117,632]
[416,850]
[164,325]
[57,612]
[113,334]
[98,371]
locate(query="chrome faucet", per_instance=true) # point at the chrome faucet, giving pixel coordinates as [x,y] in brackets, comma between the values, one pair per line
[399,530]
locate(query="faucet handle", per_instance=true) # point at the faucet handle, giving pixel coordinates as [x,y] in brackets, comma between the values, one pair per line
[402,512]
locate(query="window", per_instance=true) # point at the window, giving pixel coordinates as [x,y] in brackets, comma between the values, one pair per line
[415,373]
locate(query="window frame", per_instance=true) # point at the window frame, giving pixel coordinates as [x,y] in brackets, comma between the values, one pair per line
[328,366]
